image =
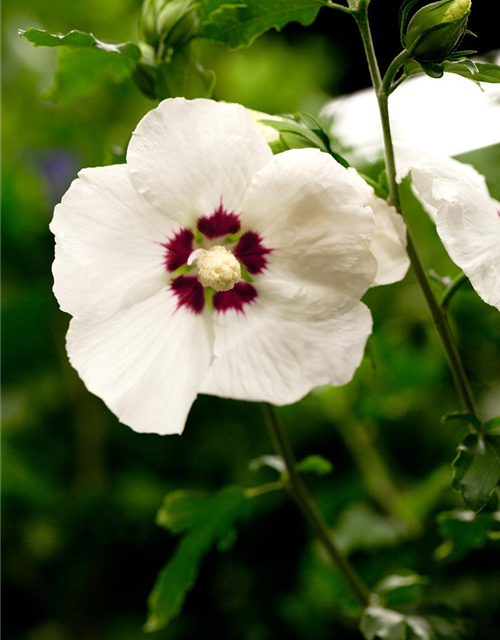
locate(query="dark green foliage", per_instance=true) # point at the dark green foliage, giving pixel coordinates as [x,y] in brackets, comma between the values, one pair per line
[204,521]
[463,531]
[476,469]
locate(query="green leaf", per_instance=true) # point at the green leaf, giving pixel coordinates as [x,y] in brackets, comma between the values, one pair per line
[463,531]
[462,416]
[205,521]
[484,73]
[401,588]
[41,38]
[417,622]
[492,425]
[273,462]
[79,71]
[361,527]
[239,23]
[476,469]
[315,464]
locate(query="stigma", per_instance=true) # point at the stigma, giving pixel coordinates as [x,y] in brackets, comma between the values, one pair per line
[217,268]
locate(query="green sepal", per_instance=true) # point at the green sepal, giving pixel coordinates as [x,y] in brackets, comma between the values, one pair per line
[433,69]
[476,469]
[379,189]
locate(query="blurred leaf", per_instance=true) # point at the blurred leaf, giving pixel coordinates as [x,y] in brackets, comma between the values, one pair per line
[483,73]
[79,39]
[315,464]
[273,462]
[419,622]
[462,416]
[401,588]
[182,76]
[79,72]
[463,531]
[492,425]
[476,469]
[240,23]
[205,521]
[361,527]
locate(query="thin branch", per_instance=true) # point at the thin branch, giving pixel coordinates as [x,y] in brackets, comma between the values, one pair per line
[303,499]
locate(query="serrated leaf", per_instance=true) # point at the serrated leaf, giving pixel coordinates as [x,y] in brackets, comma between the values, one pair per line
[463,531]
[476,469]
[315,464]
[204,521]
[418,622]
[79,71]
[239,23]
[41,38]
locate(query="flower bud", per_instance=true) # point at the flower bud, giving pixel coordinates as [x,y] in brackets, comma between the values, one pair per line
[436,29]
[165,23]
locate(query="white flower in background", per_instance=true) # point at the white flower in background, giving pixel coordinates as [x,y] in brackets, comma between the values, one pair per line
[467,217]
[448,116]
[206,265]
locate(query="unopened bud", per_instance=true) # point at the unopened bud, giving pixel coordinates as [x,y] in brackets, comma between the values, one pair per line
[167,23]
[436,29]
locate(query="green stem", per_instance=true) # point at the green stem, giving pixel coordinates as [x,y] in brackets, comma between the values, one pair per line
[441,322]
[340,7]
[303,499]
[451,289]
[392,71]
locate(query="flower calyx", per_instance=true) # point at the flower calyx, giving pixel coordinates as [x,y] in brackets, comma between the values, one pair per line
[436,30]
[164,24]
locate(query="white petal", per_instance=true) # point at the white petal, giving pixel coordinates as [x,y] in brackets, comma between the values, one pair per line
[467,217]
[108,244]
[290,340]
[145,362]
[185,156]
[305,208]
[389,242]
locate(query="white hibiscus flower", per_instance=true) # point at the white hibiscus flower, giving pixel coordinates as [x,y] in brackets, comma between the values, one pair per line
[467,218]
[206,265]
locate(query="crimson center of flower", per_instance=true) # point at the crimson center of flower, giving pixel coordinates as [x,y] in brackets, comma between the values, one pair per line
[217,267]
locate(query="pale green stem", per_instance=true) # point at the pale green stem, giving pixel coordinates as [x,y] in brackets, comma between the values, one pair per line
[305,502]
[460,379]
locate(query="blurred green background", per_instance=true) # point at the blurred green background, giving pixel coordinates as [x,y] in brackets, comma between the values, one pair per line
[80,491]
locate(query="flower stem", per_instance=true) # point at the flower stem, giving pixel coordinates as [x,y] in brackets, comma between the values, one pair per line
[438,315]
[303,499]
